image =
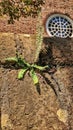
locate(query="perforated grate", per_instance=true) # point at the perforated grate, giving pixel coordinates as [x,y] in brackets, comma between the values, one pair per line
[59,26]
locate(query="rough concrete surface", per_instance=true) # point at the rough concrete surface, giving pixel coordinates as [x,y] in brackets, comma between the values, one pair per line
[22,108]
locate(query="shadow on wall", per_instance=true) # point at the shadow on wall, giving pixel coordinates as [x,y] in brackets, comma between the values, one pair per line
[56,51]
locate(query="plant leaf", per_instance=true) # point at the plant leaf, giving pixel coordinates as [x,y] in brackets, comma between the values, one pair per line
[27,64]
[21,73]
[11,59]
[22,62]
[40,67]
[34,77]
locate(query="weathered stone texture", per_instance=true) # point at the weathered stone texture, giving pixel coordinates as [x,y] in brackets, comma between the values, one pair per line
[22,108]
[7,46]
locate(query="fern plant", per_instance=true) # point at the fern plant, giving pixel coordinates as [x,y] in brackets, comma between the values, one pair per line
[25,66]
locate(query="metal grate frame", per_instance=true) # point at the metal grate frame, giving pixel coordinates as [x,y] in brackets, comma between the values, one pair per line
[59,25]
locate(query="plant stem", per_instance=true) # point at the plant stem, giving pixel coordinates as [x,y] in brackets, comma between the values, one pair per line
[39,36]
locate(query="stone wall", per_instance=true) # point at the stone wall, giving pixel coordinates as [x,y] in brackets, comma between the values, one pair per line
[28,25]
[22,107]
[57,6]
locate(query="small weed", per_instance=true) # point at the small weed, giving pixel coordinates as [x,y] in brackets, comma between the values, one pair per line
[25,66]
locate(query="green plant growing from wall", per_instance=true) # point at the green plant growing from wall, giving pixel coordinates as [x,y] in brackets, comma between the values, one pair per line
[32,68]
[23,8]
[25,66]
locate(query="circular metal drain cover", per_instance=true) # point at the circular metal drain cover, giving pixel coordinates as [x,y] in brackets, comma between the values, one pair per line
[59,26]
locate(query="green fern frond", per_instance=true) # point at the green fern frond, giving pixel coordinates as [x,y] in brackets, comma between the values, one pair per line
[34,76]
[21,73]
